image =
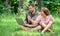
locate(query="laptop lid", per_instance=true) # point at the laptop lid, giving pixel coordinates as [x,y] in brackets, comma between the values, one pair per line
[20,21]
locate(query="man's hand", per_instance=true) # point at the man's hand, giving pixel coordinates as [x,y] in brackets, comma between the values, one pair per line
[29,18]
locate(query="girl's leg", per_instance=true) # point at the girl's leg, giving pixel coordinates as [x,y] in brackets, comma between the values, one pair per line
[47,28]
[43,25]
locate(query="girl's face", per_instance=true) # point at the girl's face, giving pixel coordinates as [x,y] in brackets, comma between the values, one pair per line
[42,13]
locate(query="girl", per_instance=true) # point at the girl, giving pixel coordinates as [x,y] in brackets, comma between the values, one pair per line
[45,19]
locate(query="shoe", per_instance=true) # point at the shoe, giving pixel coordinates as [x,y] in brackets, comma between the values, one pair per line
[42,33]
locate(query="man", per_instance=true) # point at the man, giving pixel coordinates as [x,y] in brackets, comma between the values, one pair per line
[28,25]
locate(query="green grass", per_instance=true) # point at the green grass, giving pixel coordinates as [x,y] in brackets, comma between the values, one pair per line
[9,27]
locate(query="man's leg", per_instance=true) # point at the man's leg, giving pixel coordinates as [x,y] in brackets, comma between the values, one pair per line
[36,28]
[25,28]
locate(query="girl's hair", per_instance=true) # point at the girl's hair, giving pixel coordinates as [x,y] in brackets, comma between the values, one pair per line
[46,11]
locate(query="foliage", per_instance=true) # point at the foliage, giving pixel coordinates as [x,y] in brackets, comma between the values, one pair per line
[52,5]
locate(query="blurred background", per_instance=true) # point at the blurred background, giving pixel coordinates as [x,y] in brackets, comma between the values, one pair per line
[13,10]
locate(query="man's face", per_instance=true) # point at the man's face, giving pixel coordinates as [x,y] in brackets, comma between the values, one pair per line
[31,9]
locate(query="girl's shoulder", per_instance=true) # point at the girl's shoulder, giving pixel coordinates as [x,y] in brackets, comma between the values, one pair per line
[50,16]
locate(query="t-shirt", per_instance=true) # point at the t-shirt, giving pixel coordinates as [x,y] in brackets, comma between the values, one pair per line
[33,16]
[46,20]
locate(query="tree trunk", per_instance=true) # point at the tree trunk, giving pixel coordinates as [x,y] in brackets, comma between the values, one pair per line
[21,3]
[40,3]
[20,6]
[6,3]
[6,6]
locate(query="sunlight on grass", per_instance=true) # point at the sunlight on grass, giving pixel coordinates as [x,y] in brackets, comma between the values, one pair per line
[8,20]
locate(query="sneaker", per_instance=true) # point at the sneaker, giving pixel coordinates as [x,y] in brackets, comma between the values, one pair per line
[42,33]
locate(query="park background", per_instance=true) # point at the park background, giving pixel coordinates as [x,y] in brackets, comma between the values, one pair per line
[12,10]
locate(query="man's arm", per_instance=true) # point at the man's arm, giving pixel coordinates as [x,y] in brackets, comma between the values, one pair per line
[33,22]
[26,24]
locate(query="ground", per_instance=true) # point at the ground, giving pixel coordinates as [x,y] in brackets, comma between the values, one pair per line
[9,27]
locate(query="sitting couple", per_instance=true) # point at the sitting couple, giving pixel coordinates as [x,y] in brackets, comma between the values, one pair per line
[38,21]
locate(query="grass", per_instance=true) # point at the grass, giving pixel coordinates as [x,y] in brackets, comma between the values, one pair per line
[9,27]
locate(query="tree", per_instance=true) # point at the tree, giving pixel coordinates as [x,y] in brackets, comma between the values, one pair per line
[6,6]
[40,3]
[21,2]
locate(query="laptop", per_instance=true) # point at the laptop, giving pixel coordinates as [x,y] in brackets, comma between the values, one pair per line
[19,21]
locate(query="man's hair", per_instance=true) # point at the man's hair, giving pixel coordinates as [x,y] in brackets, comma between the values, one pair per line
[45,10]
[32,5]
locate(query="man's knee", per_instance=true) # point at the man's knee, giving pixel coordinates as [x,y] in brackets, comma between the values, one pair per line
[38,27]
[22,27]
